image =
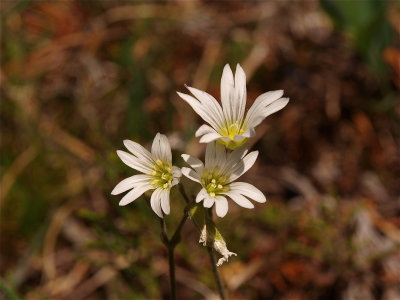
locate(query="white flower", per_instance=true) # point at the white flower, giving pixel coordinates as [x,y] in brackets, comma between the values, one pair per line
[229,125]
[217,175]
[159,174]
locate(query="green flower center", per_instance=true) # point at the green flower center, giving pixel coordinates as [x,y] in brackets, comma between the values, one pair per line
[214,183]
[162,175]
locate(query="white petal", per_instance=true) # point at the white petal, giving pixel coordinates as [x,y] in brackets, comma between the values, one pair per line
[254,115]
[240,93]
[221,206]
[174,182]
[204,129]
[215,155]
[220,155]
[246,163]
[227,92]
[276,106]
[239,199]
[134,194]
[248,190]
[234,158]
[210,155]
[194,162]
[201,195]
[249,133]
[200,110]
[155,202]
[176,172]
[189,173]
[161,148]
[134,162]
[238,138]
[208,201]
[260,115]
[265,99]
[209,102]
[209,137]
[130,182]
[165,201]
[139,151]
[237,154]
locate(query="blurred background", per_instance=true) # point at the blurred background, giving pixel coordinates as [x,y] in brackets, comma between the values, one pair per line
[78,77]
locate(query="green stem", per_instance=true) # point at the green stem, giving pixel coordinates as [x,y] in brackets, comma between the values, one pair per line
[183,193]
[217,277]
[171,261]
[215,271]
[170,244]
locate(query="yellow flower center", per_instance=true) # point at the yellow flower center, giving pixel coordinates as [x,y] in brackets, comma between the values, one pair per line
[214,183]
[230,131]
[162,175]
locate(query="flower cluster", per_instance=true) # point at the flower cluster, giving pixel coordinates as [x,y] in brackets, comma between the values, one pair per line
[226,157]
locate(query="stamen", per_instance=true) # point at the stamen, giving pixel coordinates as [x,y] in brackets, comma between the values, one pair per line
[213,182]
[162,175]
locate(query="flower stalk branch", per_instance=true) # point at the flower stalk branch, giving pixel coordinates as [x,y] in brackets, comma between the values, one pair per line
[171,243]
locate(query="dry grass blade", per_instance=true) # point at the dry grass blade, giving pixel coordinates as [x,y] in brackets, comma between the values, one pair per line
[12,173]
